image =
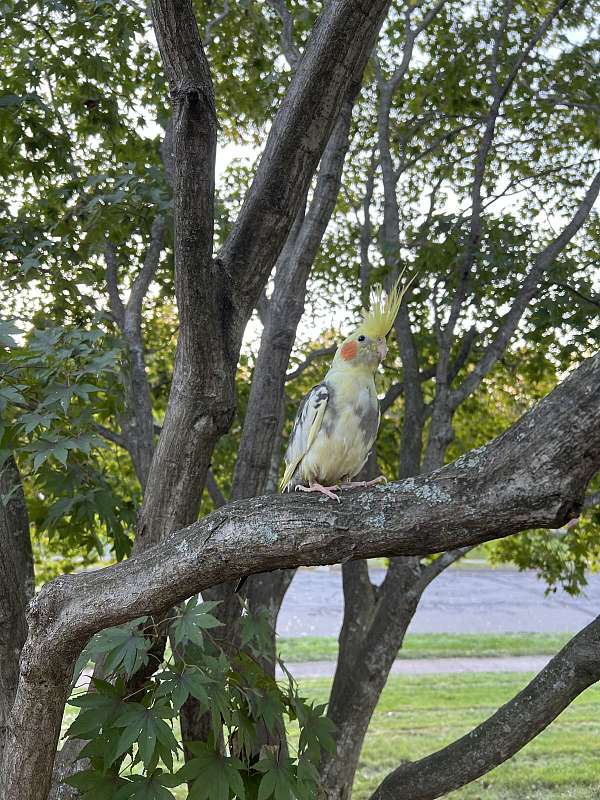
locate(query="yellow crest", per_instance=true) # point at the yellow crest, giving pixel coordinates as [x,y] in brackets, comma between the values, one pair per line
[378,320]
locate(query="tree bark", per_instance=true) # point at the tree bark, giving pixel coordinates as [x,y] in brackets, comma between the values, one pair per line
[215,299]
[264,414]
[16,585]
[341,38]
[533,475]
[263,418]
[201,401]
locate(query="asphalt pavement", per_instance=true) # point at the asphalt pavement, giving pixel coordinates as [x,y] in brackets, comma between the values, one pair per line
[459,601]
[429,666]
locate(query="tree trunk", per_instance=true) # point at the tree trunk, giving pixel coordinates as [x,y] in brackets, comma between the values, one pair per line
[523,479]
[263,420]
[368,646]
[16,585]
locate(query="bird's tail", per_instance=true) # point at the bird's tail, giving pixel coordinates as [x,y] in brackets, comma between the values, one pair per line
[287,477]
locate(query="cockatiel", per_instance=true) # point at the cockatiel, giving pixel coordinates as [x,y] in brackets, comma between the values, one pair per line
[337,421]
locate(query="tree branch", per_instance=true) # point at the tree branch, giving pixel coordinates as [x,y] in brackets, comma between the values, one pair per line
[586,298]
[194,147]
[146,274]
[262,307]
[500,93]
[112,284]
[438,565]
[390,397]
[17,585]
[288,45]
[568,674]
[396,389]
[528,290]
[366,232]
[207,39]
[523,479]
[342,38]
[212,487]
[110,436]
[322,352]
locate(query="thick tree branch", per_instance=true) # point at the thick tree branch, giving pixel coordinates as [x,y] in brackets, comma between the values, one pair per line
[16,585]
[532,476]
[342,37]
[194,145]
[568,674]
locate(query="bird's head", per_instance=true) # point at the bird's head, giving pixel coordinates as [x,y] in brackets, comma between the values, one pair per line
[359,349]
[367,346]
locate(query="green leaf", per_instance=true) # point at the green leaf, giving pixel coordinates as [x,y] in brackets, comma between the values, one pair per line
[97,710]
[144,726]
[279,778]
[141,787]
[257,632]
[180,685]
[316,730]
[59,394]
[193,620]
[9,395]
[125,647]
[95,785]
[34,419]
[214,776]
[8,332]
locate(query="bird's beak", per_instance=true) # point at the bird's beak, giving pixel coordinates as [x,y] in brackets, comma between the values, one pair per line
[382,350]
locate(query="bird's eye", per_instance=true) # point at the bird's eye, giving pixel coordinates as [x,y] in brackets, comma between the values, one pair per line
[361,338]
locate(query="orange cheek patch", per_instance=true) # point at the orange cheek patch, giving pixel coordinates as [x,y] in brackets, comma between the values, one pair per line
[349,351]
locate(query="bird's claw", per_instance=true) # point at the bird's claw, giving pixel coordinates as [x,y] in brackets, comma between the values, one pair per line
[328,491]
[364,484]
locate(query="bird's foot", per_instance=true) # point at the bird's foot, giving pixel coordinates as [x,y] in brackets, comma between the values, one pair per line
[364,484]
[328,491]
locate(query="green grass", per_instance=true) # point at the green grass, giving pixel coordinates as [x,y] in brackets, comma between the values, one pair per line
[434,645]
[417,715]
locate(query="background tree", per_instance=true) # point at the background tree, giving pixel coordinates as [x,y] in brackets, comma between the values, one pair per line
[466,109]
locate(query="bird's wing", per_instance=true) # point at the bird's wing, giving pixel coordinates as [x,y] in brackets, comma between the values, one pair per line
[306,426]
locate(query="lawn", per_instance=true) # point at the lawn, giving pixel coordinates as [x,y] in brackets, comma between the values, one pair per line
[435,645]
[419,714]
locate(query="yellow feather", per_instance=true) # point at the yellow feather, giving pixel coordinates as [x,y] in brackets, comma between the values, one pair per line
[378,320]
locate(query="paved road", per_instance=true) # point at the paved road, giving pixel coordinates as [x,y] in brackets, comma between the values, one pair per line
[459,601]
[429,666]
